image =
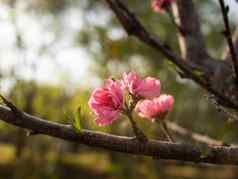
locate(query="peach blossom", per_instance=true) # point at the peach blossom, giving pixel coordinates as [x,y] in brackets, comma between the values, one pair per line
[107,102]
[157,107]
[146,88]
[161,5]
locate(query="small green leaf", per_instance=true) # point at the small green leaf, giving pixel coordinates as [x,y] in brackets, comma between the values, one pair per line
[198,72]
[77,120]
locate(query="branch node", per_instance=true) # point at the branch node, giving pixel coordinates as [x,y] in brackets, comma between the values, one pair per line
[13,108]
[31,133]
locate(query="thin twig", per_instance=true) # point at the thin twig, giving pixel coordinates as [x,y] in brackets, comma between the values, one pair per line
[9,104]
[178,27]
[231,116]
[200,138]
[164,128]
[226,54]
[228,35]
[137,131]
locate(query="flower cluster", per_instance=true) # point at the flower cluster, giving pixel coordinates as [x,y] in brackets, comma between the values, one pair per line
[161,5]
[108,101]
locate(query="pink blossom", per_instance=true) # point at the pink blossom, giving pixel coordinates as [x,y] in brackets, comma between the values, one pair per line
[146,88]
[107,102]
[161,5]
[157,107]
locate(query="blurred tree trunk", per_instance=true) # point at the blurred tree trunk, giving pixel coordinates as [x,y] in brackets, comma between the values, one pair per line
[21,137]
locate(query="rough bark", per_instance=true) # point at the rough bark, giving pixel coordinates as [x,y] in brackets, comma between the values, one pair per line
[192,43]
[154,148]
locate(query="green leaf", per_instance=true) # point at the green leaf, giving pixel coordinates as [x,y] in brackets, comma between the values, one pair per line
[77,120]
[198,72]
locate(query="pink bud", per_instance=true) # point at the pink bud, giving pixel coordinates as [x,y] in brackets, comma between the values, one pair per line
[161,5]
[157,107]
[146,88]
[107,102]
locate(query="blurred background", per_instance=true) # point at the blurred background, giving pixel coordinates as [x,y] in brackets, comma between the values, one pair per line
[54,52]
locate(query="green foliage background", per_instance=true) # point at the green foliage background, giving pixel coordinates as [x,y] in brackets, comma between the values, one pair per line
[113,53]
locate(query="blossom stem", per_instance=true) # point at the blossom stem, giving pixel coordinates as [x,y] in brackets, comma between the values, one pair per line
[164,128]
[137,131]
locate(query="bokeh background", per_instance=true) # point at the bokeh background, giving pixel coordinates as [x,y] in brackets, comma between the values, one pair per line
[54,52]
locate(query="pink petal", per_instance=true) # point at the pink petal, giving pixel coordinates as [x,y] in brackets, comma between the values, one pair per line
[147,88]
[157,107]
[106,102]
[150,88]
[161,5]
[107,118]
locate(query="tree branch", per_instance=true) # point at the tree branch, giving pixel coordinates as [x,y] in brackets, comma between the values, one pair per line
[228,35]
[191,39]
[195,136]
[227,54]
[153,148]
[133,27]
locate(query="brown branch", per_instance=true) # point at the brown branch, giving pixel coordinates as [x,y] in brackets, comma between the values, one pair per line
[192,44]
[195,136]
[139,135]
[231,115]
[191,39]
[164,128]
[227,54]
[228,35]
[133,27]
[153,148]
